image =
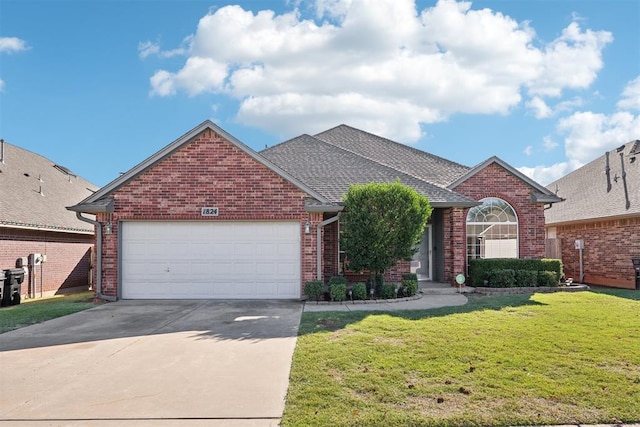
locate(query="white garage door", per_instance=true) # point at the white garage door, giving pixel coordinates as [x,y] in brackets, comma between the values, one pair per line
[185,260]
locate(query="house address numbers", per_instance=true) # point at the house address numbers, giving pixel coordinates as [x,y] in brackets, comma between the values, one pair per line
[209,211]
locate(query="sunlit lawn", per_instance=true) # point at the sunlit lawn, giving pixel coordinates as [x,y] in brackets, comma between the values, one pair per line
[38,310]
[514,360]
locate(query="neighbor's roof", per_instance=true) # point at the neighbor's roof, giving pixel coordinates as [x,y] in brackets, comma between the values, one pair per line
[34,192]
[334,159]
[591,195]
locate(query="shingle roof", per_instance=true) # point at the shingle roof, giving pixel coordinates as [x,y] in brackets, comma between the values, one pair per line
[34,192]
[585,189]
[324,165]
[418,163]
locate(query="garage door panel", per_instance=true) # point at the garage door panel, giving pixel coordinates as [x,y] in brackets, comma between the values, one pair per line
[210,259]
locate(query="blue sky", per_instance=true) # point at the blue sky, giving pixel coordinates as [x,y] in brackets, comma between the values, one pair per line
[98,86]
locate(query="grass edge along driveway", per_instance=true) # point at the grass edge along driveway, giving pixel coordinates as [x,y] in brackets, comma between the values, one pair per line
[33,311]
[561,358]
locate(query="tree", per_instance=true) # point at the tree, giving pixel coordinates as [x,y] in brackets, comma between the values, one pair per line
[382,223]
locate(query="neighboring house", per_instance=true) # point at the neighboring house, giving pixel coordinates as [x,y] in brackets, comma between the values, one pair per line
[601,212]
[34,193]
[208,217]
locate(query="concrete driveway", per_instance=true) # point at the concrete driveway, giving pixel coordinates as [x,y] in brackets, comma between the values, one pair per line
[152,363]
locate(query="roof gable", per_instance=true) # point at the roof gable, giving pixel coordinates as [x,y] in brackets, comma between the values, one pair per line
[590,194]
[540,194]
[97,203]
[34,192]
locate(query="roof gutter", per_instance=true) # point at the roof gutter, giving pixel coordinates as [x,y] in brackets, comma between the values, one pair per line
[319,244]
[98,257]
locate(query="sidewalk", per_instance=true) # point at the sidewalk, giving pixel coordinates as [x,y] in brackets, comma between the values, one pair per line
[430,295]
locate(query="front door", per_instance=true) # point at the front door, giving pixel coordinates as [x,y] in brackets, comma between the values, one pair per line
[421,261]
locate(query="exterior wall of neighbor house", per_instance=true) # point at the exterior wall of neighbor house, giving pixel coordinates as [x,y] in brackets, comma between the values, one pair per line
[207,171]
[68,259]
[609,246]
[495,181]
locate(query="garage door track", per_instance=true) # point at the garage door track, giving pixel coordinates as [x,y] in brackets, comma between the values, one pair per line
[152,362]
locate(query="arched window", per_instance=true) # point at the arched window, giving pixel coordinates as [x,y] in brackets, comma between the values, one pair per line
[492,230]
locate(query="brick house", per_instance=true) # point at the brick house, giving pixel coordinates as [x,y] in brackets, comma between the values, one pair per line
[34,193]
[208,217]
[602,212]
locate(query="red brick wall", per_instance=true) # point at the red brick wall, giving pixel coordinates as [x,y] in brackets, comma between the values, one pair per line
[68,258]
[495,181]
[208,171]
[454,227]
[608,248]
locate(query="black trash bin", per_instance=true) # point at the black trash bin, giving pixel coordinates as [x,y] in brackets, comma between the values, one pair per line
[13,278]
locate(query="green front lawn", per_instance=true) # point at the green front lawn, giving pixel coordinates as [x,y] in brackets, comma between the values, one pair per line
[34,311]
[561,358]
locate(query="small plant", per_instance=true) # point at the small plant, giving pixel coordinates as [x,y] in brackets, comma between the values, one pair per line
[359,291]
[388,291]
[314,289]
[409,284]
[526,278]
[547,278]
[338,291]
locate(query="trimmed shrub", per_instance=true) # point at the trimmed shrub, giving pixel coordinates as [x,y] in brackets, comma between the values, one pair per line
[502,278]
[409,284]
[526,278]
[359,291]
[388,291]
[337,280]
[547,278]
[314,289]
[338,291]
[480,269]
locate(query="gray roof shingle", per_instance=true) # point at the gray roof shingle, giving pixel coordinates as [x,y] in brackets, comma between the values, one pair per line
[330,165]
[418,163]
[585,189]
[34,193]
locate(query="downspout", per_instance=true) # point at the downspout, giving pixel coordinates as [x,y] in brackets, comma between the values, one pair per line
[319,243]
[98,258]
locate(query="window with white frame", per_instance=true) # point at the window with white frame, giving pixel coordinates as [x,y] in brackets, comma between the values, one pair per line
[492,230]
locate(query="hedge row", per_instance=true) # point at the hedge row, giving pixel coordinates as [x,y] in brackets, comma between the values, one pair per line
[514,272]
[338,290]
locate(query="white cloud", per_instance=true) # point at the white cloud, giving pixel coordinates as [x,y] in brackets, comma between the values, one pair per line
[631,96]
[540,108]
[149,48]
[12,44]
[547,174]
[528,150]
[367,61]
[548,143]
[589,135]
[572,61]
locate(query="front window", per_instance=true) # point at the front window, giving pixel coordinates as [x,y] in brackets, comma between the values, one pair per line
[492,230]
